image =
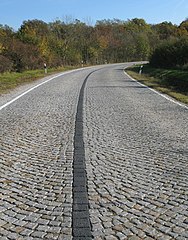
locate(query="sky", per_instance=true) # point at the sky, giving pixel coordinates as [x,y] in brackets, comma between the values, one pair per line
[14,12]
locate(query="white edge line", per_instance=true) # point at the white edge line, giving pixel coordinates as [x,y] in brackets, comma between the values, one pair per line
[155,91]
[29,90]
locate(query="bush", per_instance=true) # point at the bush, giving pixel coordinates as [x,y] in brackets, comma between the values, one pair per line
[171,54]
[6,64]
[185,67]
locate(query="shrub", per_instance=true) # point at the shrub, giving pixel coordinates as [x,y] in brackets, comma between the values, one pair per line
[171,54]
[6,64]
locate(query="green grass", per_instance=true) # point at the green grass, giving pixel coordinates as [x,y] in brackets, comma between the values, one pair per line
[173,82]
[9,81]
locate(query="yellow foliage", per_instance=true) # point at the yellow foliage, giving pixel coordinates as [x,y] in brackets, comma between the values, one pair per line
[1,47]
[103,42]
[44,50]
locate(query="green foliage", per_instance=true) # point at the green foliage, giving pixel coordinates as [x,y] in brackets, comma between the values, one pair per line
[175,78]
[73,42]
[184,26]
[165,30]
[32,31]
[171,54]
[6,64]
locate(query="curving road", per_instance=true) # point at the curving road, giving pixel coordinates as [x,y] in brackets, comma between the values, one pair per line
[91,153]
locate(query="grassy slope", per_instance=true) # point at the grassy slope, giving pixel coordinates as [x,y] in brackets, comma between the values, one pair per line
[9,81]
[172,82]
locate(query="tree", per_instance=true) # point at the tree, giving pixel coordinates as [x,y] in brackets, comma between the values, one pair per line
[72,42]
[165,30]
[32,31]
[171,54]
[183,28]
[6,64]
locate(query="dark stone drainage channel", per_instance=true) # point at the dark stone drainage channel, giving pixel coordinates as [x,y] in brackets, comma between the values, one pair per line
[81,225]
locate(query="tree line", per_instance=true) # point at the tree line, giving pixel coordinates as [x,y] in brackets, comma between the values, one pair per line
[62,43]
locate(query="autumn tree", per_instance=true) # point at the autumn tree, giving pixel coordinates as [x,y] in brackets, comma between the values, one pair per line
[165,30]
[73,42]
[183,28]
[36,33]
[6,36]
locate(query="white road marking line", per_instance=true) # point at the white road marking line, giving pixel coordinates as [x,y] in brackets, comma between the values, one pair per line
[31,89]
[155,91]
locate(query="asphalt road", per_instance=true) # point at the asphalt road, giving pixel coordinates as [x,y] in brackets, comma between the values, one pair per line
[93,154]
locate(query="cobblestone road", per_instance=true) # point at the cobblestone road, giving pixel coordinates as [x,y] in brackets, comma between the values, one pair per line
[131,145]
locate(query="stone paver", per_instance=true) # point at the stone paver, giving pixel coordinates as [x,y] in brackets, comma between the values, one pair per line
[132,181]
[37,144]
[136,156]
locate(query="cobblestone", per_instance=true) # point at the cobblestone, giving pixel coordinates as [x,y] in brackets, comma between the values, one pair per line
[135,168]
[37,137]
[136,158]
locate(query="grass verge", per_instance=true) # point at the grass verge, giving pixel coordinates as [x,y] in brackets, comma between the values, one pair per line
[169,81]
[9,81]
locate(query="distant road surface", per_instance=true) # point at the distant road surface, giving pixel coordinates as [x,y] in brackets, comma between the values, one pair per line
[92,154]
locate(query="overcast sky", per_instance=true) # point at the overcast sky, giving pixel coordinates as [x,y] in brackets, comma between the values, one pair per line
[14,12]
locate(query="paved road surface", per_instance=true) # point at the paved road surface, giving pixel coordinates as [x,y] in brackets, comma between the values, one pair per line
[93,154]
